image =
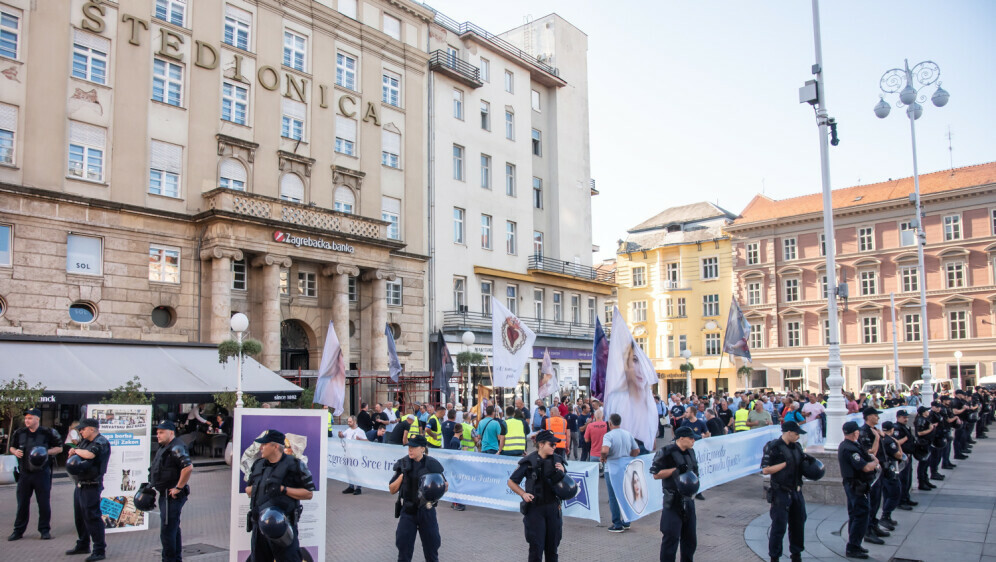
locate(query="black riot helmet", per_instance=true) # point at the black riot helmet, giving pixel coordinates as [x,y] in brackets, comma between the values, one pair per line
[687,484]
[566,489]
[82,469]
[812,468]
[431,487]
[273,524]
[145,498]
[37,457]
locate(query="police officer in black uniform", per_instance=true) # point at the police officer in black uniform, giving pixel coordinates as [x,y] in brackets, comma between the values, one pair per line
[678,516]
[948,429]
[857,471]
[278,480]
[543,520]
[783,461]
[907,442]
[34,478]
[924,429]
[168,475]
[891,484]
[415,514]
[871,440]
[963,408]
[95,448]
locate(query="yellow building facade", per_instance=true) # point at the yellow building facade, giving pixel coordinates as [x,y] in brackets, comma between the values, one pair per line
[675,277]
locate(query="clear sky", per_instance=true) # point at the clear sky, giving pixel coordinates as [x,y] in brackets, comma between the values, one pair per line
[698,100]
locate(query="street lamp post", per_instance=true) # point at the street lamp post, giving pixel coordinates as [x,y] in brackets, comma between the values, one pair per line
[910,83]
[686,354]
[957,355]
[468,340]
[806,361]
[239,325]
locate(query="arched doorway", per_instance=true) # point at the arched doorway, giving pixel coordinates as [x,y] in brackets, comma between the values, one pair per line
[294,346]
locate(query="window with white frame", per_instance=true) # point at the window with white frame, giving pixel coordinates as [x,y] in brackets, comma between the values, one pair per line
[390,91]
[537,142]
[173,11]
[390,211]
[10,32]
[240,279]
[292,188]
[869,282]
[823,286]
[284,282]
[753,253]
[164,264]
[165,165]
[237,25]
[307,284]
[86,151]
[84,255]
[709,268]
[512,298]
[907,234]
[825,323]
[344,200]
[486,232]
[558,306]
[591,311]
[639,276]
[390,152]
[669,308]
[167,82]
[682,312]
[295,50]
[954,274]
[452,56]
[952,228]
[753,293]
[639,311]
[485,116]
[641,343]
[576,309]
[957,324]
[232,175]
[911,279]
[712,345]
[293,115]
[485,70]
[911,325]
[459,219]
[485,171]
[756,339]
[347,8]
[510,237]
[866,239]
[234,103]
[458,104]
[345,135]
[509,82]
[793,334]
[535,100]
[869,329]
[789,250]
[673,271]
[6,243]
[90,57]
[710,305]
[458,153]
[394,293]
[392,27]
[791,290]
[8,128]
[345,71]
[537,243]
[459,293]
[509,125]
[487,291]
[509,179]
[352,290]
[537,193]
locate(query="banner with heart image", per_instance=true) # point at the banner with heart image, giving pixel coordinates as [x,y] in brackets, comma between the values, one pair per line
[512,345]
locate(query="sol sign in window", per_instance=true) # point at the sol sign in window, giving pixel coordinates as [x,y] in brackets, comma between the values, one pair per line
[83,255]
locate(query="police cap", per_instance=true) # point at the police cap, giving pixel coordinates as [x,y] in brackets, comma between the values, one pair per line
[271,436]
[888,425]
[850,427]
[166,424]
[793,427]
[33,412]
[869,411]
[88,422]
[684,432]
[902,414]
[548,436]
[417,441]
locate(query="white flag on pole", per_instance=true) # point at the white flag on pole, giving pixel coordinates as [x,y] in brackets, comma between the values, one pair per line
[629,375]
[511,345]
[549,382]
[330,389]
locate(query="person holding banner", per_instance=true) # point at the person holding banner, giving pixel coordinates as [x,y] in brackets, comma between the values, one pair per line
[678,523]
[35,472]
[416,515]
[95,450]
[782,460]
[542,515]
[168,475]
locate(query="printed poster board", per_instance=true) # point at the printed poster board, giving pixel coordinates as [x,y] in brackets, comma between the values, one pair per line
[128,428]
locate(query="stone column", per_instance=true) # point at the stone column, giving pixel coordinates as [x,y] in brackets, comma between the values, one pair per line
[269,324]
[340,274]
[378,347]
[220,315]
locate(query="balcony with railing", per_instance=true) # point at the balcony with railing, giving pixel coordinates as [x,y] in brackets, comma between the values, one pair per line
[480,322]
[457,69]
[588,273]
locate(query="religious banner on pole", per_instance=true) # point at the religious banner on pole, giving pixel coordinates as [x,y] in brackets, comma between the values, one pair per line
[629,376]
[128,428]
[512,345]
[330,388]
[549,382]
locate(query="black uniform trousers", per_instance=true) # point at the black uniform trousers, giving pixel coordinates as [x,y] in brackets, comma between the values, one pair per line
[921,469]
[424,523]
[169,529]
[265,551]
[960,440]
[40,484]
[875,501]
[891,493]
[946,453]
[544,524]
[906,482]
[678,528]
[788,509]
[858,511]
[935,459]
[86,511]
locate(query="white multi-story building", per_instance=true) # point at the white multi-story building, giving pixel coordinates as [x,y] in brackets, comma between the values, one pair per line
[510,189]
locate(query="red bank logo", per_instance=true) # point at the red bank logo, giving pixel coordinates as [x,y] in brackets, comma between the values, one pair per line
[279,236]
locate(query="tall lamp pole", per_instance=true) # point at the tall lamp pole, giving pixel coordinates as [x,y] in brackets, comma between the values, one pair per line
[686,354]
[911,83]
[814,93]
[239,324]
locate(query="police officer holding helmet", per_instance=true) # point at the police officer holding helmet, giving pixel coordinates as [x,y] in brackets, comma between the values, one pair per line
[858,471]
[87,464]
[420,481]
[677,469]
[32,445]
[907,442]
[784,460]
[168,475]
[544,472]
[277,484]
[871,440]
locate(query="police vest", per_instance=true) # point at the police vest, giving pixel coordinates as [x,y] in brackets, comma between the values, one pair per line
[168,463]
[740,420]
[328,420]
[28,440]
[413,430]
[515,439]
[536,484]
[559,428]
[266,483]
[436,441]
[413,472]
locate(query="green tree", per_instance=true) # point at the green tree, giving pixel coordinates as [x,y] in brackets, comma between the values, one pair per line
[231,348]
[16,395]
[131,392]
[745,371]
[467,359]
[228,399]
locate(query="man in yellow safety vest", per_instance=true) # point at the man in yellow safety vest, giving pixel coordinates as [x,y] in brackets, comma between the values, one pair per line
[515,439]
